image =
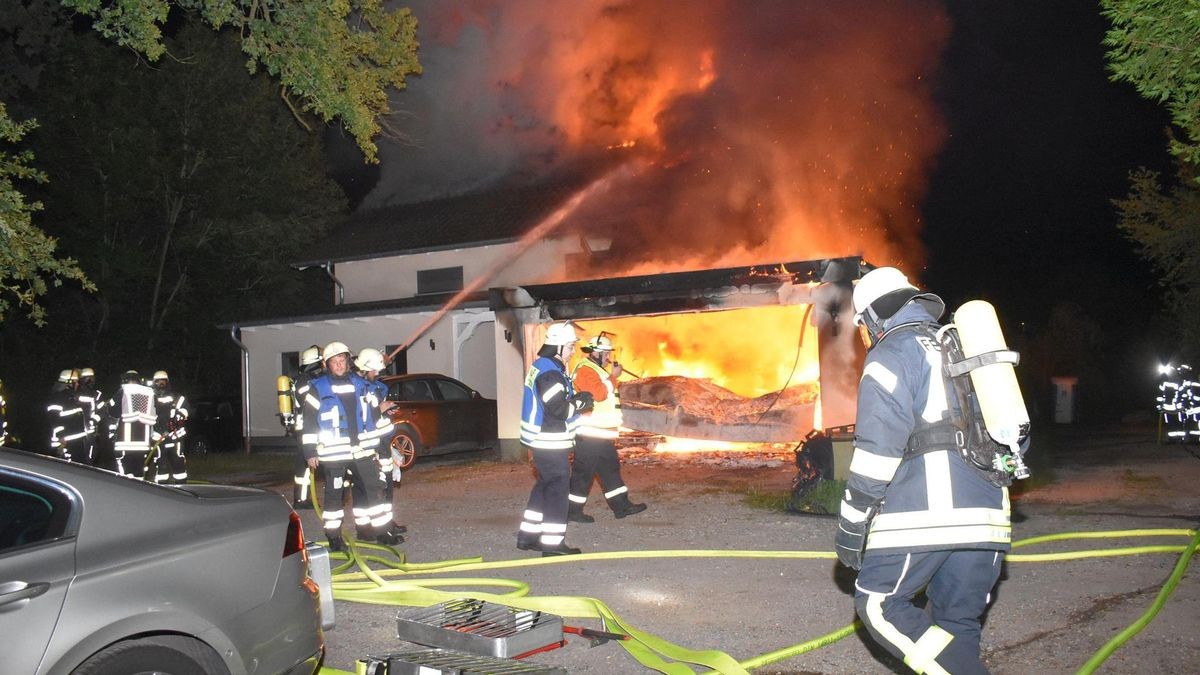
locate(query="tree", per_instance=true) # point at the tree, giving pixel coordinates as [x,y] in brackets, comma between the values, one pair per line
[337,57]
[1155,46]
[27,255]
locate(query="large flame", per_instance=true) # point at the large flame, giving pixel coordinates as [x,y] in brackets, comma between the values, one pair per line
[751,352]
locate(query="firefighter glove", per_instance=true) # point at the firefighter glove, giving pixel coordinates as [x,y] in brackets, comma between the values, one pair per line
[584,401]
[849,542]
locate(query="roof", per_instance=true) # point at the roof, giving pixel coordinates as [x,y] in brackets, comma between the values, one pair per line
[420,303]
[671,292]
[497,215]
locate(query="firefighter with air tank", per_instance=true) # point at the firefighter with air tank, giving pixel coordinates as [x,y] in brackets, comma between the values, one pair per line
[291,414]
[596,435]
[68,419]
[340,435]
[940,433]
[132,425]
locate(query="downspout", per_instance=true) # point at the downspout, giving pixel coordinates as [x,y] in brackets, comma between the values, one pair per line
[233,334]
[328,266]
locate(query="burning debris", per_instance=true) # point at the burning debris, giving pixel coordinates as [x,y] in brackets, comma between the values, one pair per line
[697,408]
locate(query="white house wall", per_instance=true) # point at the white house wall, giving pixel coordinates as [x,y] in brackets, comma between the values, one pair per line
[433,352]
[396,276]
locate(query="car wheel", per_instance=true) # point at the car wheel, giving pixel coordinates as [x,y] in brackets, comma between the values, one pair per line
[404,448]
[199,447]
[166,655]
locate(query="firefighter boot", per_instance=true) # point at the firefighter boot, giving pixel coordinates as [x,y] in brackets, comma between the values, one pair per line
[622,507]
[390,536]
[298,503]
[560,548]
[575,514]
[527,541]
[336,543]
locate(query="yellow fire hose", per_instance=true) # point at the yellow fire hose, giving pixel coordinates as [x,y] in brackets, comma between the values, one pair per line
[374,586]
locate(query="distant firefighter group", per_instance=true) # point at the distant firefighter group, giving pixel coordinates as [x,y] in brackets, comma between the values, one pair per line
[1179,403]
[144,425]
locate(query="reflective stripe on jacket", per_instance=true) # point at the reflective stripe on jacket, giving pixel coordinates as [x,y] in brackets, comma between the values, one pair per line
[930,501]
[604,419]
[548,416]
[327,422]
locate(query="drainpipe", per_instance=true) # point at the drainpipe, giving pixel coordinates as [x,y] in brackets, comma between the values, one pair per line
[328,266]
[233,334]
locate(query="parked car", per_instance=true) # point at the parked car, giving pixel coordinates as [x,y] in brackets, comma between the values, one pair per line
[214,425]
[101,573]
[435,414]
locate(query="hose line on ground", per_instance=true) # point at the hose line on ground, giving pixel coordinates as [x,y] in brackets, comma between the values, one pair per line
[372,586]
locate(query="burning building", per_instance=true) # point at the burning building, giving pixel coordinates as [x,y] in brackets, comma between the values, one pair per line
[701,179]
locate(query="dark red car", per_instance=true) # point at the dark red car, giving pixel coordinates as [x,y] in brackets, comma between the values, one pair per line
[435,414]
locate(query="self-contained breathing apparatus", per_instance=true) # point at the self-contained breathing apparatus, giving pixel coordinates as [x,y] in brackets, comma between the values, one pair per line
[989,426]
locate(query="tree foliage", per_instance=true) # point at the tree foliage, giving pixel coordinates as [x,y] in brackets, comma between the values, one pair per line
[336,57]
[27,255]
[1154,45]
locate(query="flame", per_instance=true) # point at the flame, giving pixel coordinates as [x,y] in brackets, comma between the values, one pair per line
[751,351]
[675,444]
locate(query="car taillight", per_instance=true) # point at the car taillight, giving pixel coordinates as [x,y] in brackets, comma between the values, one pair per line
[295,537]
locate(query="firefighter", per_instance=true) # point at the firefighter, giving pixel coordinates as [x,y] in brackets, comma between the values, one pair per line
[369,362]
[932,521]
[131,426]
[68,423]
[549,413]
[302,476]
[94,412]
[340,436]
[596,436]
[170,427]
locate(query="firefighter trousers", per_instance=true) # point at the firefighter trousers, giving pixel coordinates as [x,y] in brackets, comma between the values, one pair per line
[546,512]
[302,475]
[172,465]
[372,516]
[597,456]
[943,637]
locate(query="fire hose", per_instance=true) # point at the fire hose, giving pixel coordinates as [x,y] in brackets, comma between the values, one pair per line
[372,586]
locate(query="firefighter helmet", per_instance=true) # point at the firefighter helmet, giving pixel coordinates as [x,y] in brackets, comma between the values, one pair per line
[333,349]
[369,359]
[68,375]
[160,375]
[600,343]
[87,372]
[131,377]
[310,356]
[561,334]
[882,292]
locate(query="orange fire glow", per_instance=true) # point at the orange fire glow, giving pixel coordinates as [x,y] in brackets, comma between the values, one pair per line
[751,352]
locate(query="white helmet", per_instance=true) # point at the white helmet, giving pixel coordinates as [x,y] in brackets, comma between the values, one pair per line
[160,375]
[600,343]
[369,359]
[561,334]
[888,287]
[310,356]
[68,375]
[87,372]
[333,349]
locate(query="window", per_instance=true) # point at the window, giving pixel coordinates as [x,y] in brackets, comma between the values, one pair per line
[413,390]
[399,365]
[30,512]
[441,280]
[289,363]
[453,391]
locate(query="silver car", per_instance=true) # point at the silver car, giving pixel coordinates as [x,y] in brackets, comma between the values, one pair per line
[105,574]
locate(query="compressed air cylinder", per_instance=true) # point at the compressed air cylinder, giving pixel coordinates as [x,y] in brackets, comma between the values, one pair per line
[283,387]
[995,384]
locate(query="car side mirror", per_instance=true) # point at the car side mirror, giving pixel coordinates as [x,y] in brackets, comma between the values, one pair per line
[475,394]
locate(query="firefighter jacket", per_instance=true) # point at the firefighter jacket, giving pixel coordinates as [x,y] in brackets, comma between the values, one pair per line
[924,501]
[300,387]
[171,422]
[549,413]
[340,424]
[604,419]
[93,407]
[68,420]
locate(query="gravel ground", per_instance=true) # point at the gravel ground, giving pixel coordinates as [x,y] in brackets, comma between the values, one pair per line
[1046,617]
